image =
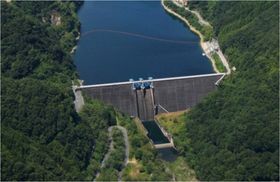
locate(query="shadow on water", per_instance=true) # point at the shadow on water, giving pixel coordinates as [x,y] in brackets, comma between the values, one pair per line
[154,132]
[156,135]
[168,154]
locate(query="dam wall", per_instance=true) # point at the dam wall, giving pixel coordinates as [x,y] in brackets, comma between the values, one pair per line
[120,96]
[145,104]
[181,94]
[166,95]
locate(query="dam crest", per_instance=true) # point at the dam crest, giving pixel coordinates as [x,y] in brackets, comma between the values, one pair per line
[146,98]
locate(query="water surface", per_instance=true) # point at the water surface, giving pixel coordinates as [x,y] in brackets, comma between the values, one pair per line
[168,154]
[122,40]
[154,132]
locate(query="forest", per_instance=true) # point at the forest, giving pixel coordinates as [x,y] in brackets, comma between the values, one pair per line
[234,133]
[43,137]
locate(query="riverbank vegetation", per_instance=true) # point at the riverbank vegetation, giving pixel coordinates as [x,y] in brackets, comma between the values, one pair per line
[174,124]
[218,62]
[144,164]
[233,134]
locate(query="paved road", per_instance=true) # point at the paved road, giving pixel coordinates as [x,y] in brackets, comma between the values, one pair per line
[204,22]
[111,147]
[200,19]
[224,60]
[197,14]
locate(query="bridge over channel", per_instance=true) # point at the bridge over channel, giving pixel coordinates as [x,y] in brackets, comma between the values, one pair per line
[146,98]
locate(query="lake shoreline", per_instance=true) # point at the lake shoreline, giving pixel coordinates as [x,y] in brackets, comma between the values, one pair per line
[185,45]
[203,45]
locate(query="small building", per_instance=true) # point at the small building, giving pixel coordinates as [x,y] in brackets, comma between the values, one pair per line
[182,2]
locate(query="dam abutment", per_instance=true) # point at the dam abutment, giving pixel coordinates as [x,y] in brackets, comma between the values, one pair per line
[146,98]
[166,95]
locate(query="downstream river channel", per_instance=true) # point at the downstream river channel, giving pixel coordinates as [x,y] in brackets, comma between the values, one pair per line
[125,39]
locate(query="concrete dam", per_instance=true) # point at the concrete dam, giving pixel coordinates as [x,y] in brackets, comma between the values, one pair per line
[159,96]
[146,98]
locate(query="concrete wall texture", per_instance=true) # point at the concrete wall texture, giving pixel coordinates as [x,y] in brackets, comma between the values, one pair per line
[145,104]
[120,96]
[172,94]
[181,94]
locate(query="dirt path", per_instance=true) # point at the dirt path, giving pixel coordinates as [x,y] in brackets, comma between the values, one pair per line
[111,147]
[125,135]
[197,14]
[200,19]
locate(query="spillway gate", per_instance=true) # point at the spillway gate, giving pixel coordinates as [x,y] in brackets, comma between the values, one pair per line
[168,94]
[146,98]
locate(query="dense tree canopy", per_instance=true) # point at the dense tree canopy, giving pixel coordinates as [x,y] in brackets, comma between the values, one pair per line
[234,133]
[42,136]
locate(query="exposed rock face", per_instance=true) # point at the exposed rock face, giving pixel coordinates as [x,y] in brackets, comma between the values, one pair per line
[44,19]
[182,2]
[55,18]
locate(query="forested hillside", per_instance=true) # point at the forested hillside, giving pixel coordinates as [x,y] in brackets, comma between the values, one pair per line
[42,137]
[234,133]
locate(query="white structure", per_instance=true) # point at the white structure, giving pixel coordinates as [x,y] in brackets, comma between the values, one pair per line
[182,2]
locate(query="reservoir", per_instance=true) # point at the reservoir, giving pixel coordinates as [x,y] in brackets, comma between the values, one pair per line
[132,39]
[136,39]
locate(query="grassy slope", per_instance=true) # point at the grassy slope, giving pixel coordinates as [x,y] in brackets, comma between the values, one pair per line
[174,124]
[143,164]
[218,63]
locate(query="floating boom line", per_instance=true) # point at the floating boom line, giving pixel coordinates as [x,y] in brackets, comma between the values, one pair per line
[132,34]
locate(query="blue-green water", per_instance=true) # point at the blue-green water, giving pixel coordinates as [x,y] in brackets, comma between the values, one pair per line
[125,39]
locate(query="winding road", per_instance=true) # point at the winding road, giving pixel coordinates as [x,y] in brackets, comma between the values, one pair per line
[197,14]
[111,147]
[204,45]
